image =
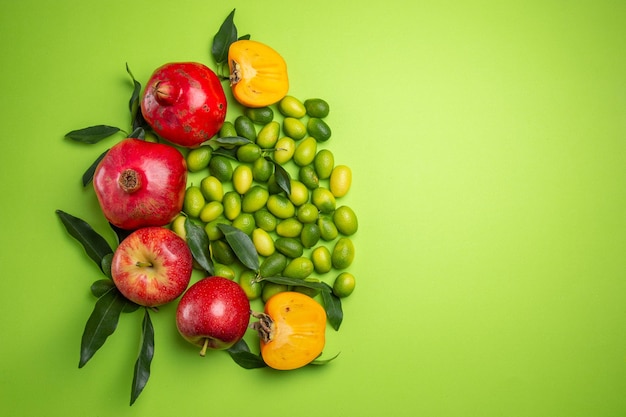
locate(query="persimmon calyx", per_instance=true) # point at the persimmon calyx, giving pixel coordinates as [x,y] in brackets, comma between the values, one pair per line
[264,327]
[235,75]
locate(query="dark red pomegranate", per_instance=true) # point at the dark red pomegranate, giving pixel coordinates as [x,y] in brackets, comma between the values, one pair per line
[184,103]
[141,184]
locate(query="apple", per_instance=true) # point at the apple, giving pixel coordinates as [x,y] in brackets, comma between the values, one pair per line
[152,266]
[214,313]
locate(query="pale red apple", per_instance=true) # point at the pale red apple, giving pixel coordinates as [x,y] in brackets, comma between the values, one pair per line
[152,266]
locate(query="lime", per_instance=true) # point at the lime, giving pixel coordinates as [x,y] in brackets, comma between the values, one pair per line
[323,199]
[345,220]
[268,135]
[321,258]
[273,265]
[305,152]
[289,246]
[285,147]
[250,285]
[343,253]
[211,211]
[300,268]
[324,163]
[340,180]
[225,271]
[259,115]
[263,242]
[232,205]
[265,220]
[262,170]
[212,188]
[198,159]
[344,284]
[254,199]
[249,152]
[194,201]
[316,107]
[310,235]
[242,178]
[290,106]
[221,168]
[318,128]
[294,128]
[290,227]
[244,222]
[245,127]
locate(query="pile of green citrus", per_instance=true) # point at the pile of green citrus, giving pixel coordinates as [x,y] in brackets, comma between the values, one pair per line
[270,174]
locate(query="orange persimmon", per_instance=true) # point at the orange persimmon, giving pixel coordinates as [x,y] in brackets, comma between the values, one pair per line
[291,329]
[258,74]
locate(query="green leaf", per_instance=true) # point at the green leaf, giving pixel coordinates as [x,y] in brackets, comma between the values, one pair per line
[283,179]
[101,323]
[226,35]
[240,353]
[101,287]
[88,175]
[120,233]
[296,281]
[242,245]
[323,361]
[133,103]
[332,305]
[138,133]
[95,245]
[92,134]
[130,307]
[146,353]
[244,37]
[198,242]
[105,265]
[227,152]
[232,140]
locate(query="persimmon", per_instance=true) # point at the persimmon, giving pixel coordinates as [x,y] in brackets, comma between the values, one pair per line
[258,74]
[292,330]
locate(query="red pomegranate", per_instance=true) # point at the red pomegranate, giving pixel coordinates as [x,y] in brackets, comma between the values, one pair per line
[184,103]
[140,184]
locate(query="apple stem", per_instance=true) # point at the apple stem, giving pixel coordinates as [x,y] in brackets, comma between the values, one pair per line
[205,346]
[144,264]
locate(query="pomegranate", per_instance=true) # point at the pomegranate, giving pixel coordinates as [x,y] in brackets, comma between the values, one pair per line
[140,184]
[184,103]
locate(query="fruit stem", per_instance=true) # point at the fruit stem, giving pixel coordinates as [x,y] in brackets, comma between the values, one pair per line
[144,264]
[129,180]
[205,346]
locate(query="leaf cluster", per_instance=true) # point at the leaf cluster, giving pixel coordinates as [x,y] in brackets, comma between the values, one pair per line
[225,36]
[109,305]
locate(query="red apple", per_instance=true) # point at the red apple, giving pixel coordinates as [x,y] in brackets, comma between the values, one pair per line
[152,266]
[213,313]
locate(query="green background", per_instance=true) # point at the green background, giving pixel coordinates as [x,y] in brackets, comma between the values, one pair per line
[487,141]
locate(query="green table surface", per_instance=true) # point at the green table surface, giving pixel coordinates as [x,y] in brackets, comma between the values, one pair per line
[487,141]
